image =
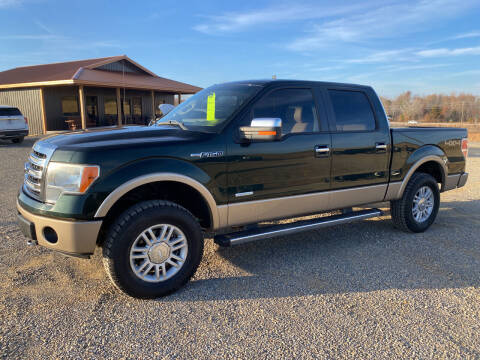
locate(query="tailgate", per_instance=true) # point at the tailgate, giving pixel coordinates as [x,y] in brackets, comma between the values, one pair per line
[11,118]
[12,122]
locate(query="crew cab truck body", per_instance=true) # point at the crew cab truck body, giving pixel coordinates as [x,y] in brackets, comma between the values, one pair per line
[230,157]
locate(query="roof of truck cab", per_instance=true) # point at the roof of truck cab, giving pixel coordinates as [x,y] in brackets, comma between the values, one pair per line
[283,82]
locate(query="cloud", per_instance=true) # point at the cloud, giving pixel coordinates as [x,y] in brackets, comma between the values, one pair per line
[468,35]
[44,27]
[442,52]
[383,22]
[10,3]
[237,21]
[382,56]
[30,37]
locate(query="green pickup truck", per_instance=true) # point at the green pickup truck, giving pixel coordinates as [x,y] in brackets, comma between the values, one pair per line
[223,163]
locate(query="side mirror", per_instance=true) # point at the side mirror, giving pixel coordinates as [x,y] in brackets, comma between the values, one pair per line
[262,129]
[165,108]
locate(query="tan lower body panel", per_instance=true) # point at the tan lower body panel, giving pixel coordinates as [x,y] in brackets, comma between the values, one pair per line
[251,212]
[74,237]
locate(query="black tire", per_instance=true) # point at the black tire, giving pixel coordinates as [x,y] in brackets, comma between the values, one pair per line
[401,210]
[129,225]
[17,140]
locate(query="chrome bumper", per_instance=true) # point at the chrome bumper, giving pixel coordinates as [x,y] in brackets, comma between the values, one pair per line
[76,238]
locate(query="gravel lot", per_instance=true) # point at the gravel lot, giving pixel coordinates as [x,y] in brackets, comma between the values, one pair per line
[363,290]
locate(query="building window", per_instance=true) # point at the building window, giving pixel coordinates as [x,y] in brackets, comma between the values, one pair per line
[70,106]
[110,106]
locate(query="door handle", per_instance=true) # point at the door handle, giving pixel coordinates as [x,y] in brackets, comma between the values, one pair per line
[380,146]
[322,150]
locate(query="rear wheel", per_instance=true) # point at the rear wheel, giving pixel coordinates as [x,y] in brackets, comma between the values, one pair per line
[153,249]
[18,140]
[417,209]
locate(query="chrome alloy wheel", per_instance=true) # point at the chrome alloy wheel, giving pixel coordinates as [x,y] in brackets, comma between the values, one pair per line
[158,253]
[423,202]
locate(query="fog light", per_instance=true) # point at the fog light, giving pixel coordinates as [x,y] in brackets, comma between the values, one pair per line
[50,235]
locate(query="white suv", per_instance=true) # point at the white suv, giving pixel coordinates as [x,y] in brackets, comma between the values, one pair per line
[13,125]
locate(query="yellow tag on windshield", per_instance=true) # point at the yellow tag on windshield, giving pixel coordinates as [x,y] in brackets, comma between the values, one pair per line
[211,107]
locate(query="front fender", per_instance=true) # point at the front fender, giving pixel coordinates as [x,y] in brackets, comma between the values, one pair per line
[141,172]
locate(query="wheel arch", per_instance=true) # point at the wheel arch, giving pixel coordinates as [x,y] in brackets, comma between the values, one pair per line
[140,181]
[428,159]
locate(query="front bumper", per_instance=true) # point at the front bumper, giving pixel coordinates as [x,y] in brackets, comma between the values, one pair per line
[12,134]
[76,238]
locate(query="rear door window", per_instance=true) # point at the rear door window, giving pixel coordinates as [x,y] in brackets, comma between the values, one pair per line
[10,112]
[352,110]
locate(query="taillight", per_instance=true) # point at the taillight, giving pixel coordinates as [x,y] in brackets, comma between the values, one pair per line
[26,120]
[465,147]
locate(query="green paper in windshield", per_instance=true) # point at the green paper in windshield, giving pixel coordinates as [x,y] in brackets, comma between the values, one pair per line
[211,108]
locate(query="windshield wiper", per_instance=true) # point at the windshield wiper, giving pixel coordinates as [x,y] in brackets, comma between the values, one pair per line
[172,122]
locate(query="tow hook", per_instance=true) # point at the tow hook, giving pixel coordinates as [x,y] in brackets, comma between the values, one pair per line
[31,242]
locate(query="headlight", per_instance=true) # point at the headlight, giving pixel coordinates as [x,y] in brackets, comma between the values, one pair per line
[68,178]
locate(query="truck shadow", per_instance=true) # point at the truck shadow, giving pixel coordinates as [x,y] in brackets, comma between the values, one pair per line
[359,257]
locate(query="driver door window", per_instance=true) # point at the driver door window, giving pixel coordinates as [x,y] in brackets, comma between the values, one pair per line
[295,107]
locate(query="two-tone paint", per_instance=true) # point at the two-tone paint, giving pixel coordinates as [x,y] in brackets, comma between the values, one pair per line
[243,182]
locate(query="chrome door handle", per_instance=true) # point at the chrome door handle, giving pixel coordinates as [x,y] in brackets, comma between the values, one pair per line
[381,146]
[322,151]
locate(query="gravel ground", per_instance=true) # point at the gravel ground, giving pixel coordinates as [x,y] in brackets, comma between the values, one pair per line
[362,290]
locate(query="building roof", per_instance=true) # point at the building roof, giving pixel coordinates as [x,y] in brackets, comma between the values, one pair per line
[115,71]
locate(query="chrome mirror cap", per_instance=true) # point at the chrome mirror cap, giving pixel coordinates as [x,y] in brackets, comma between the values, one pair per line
[165,108]
[266,122]
[262,129]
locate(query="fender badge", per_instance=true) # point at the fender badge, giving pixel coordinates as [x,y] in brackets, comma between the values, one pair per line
[207,154]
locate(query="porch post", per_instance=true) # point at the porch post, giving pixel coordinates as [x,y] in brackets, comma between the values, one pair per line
[81,96]
[44,116]
[153,104]
[119,108]
[176,99]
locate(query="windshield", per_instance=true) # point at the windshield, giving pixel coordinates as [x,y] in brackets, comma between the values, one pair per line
[208,109]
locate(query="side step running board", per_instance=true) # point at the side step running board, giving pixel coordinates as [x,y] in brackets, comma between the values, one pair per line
[286,229]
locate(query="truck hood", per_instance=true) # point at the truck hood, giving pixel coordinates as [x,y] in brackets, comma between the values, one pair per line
[122,136]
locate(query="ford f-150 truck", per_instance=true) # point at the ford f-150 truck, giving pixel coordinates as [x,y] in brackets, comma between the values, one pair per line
[223,163]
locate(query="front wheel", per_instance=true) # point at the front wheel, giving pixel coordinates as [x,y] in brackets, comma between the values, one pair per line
[417,209]
[153,249]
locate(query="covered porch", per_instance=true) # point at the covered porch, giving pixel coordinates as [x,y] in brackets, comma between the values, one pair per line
[82,107]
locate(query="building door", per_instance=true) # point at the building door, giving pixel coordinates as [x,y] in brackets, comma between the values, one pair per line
[92,111]
[137,110]
[127,111]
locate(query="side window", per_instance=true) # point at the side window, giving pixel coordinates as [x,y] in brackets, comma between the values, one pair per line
[70,106]
[295,107]
[352,110]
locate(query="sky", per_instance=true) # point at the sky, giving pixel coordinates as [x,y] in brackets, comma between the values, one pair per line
[426,47]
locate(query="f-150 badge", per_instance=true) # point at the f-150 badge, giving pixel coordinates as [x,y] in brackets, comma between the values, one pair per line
[208,154]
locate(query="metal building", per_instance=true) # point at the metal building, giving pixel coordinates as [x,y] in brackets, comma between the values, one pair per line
[88,93]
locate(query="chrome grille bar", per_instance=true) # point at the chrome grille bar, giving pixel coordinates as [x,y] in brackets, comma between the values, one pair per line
[35,169]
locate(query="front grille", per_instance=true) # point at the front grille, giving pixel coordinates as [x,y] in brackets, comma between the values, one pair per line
[39,155]
[35,169]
